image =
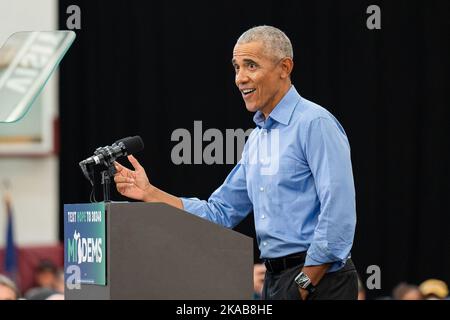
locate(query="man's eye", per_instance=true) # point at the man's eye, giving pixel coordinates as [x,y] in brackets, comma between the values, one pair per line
[252,66]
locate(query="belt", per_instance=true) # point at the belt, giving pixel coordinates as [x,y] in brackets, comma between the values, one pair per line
[277,265]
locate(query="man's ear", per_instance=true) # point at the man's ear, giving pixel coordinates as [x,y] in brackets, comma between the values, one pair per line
[287,64]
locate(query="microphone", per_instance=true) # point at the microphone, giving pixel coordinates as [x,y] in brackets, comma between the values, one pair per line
[105,156]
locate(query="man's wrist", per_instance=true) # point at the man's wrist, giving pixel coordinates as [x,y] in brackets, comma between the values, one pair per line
[150,194]
[314,281]
[316,273]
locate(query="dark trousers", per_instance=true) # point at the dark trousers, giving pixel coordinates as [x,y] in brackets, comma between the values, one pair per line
[339,285]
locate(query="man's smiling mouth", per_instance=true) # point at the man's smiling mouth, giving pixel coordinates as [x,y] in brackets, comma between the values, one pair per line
[247,91]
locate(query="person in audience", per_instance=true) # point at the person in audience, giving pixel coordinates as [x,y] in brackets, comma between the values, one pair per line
[46,274]
[8,289]
[405,291]
[45,277]
[434,289]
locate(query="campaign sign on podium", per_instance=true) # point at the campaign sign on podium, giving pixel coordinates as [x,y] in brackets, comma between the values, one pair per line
[84,242]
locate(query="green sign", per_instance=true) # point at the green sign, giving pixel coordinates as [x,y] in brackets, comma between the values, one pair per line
[84,242]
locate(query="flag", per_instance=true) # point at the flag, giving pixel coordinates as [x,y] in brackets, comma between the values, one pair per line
[10,250]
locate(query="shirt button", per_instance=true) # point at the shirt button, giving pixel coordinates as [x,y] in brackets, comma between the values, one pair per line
[261,189]
[264,243]
[263,216]
[265,133]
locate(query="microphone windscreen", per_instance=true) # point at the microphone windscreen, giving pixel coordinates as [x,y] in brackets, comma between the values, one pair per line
[132,144]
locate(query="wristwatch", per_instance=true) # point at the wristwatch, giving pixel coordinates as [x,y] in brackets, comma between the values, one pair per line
[304,282]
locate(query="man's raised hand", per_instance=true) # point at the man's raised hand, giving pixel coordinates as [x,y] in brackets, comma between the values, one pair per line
[132,184]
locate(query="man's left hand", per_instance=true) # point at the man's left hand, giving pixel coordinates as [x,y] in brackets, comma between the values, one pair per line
[315,274]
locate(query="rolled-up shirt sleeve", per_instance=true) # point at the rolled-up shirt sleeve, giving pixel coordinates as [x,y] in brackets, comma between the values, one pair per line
[228,205]
[328,155]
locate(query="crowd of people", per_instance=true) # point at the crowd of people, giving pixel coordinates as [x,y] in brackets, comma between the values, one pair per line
[48,284]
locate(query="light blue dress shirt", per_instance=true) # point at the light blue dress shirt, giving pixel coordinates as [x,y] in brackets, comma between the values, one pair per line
[296,175]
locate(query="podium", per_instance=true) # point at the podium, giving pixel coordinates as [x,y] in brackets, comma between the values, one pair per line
[155,251]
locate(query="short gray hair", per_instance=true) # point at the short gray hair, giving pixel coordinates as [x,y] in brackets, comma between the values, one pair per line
[274,40]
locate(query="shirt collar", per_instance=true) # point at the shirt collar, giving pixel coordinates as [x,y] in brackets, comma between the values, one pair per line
[282,112]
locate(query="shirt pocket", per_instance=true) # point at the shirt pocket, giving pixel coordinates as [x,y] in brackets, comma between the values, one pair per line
[288,166]
[285,183]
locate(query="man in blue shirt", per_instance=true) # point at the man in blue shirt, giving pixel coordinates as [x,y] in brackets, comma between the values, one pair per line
[295,174]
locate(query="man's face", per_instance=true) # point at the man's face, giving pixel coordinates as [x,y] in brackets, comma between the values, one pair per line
[45,279]
[258,76]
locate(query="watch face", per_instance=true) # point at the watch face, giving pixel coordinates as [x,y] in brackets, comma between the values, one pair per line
[302,280]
